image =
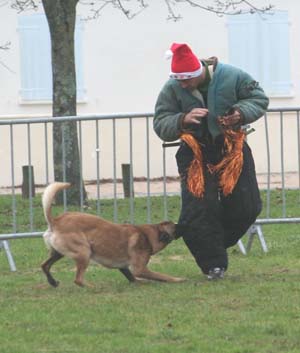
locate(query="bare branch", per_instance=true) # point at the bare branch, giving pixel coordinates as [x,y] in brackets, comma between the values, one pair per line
[23,5]
[171,12]
[131,8]
[6,67]
[5,46]
[220,8]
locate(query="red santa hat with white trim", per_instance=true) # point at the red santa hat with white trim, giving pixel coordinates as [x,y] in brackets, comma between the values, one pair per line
[185,63]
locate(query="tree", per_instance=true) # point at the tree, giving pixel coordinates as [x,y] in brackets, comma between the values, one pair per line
[61,16]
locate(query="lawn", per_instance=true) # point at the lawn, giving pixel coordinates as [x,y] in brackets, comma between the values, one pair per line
[256,308]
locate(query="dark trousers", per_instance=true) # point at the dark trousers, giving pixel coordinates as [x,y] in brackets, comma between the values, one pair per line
[211,224]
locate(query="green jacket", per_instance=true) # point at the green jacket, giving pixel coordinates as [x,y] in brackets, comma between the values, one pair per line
[229,88]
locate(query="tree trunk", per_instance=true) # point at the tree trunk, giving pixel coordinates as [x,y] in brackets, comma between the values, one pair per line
[61,16]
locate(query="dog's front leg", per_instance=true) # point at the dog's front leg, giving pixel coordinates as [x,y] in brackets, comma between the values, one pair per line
[139,268]
[156,276]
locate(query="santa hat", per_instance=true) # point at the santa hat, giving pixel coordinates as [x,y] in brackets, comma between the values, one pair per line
[184,64]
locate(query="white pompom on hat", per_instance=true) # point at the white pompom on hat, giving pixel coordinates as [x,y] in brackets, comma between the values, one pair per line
[184,63]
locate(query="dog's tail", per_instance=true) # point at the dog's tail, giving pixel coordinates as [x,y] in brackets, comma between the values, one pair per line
[48,196]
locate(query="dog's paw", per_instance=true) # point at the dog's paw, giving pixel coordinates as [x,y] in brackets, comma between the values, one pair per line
[139,280]
[179,279]
[54,283]
[89,285]
[79,283]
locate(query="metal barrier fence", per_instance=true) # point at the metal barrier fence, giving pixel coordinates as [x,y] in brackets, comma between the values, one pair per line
[108,137]
[290,113]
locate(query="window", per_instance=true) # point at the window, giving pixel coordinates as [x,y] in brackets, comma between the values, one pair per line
[35,58]
[259,44]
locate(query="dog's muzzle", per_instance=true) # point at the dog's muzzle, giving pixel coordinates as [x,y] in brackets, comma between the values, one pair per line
[165,237]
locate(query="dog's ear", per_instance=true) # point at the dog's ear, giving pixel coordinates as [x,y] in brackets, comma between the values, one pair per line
[165,237]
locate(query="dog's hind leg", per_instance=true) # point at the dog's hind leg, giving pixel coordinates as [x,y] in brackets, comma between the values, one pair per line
[54,256]
[127,273]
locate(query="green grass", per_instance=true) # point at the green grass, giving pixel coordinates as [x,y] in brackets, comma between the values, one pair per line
[256,308]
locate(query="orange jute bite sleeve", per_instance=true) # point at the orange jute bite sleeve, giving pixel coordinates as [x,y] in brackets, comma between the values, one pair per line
[228,169]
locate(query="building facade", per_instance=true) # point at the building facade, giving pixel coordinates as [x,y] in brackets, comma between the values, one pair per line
[121,68]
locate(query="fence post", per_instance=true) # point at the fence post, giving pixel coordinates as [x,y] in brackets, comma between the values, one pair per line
[28,187]
[127,180]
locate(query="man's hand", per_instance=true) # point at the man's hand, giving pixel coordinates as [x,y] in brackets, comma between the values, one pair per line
[231,120]
[194,116]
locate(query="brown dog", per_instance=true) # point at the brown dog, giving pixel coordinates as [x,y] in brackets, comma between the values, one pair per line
[83,237]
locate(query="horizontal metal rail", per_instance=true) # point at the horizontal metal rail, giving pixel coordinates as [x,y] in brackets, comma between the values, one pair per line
[20,236]
[263,221]
[258,222]
[39,120]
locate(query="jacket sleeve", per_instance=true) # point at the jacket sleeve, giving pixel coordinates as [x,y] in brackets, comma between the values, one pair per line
[167,115]
[252,101]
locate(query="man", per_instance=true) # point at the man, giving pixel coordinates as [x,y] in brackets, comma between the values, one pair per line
[205,103]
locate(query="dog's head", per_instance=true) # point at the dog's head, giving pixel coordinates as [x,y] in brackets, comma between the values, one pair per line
[166,232]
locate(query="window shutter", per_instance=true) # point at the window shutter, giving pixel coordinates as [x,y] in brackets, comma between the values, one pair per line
[35,58]
[243,34]
[259,44]
[36,73]
[277,62]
